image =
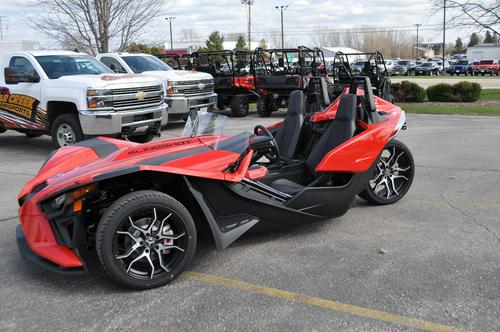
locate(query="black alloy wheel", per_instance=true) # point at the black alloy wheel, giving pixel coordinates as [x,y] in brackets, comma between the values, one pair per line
[393,175]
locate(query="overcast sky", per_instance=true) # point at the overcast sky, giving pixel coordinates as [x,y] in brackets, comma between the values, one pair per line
[229,16]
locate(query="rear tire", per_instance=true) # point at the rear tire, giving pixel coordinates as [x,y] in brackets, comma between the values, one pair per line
[239,106]
[264,107]
[221,102]
[396,170]
[145,239]
[66,130]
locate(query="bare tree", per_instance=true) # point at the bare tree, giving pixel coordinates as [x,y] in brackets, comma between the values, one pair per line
[189,35]
[94,26]
[484,14]
[325,37]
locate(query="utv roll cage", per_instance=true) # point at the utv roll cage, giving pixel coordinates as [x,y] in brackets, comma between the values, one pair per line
[374,68]
[176,61]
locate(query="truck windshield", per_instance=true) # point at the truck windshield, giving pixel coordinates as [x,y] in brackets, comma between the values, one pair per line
[486,62]
[56,66]
[141,63]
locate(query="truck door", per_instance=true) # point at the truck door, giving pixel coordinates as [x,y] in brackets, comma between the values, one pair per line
[22,109]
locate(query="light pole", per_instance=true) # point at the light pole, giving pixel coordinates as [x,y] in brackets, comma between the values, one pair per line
[170,19]
[417,25]
[444,31]
[281,9]
[249,23]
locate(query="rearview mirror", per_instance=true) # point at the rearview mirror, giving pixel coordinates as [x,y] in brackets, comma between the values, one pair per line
[13,77]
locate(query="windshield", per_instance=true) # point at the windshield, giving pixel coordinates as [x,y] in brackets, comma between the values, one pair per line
[403,63]
[462,63]
[359,63]
[212,127]
[142,63]
[486,62]
[56,66]
[427,64]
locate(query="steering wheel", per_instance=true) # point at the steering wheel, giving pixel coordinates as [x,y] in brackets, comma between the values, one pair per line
[274,152]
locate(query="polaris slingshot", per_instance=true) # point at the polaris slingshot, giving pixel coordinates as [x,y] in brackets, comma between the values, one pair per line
[141,205]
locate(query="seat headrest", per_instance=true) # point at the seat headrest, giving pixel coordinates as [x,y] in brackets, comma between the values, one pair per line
[347,108]
[296,103]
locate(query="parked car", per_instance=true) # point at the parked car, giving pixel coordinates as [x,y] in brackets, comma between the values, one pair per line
[428,68]
[461,67]
[71,95]
[357,67]
[487,67]
[186,90]
[404,67]
[389,65]
[440,64]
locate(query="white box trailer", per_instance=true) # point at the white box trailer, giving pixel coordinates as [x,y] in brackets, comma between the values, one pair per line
[13,46]
[484,52]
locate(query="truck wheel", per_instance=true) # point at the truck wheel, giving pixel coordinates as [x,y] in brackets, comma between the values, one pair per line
[141,138]
[66,130]
[263,107]
[239,106]
[145,239]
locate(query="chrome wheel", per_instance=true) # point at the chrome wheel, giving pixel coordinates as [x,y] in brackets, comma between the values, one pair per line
[65,135]
[393,175]
[149,243]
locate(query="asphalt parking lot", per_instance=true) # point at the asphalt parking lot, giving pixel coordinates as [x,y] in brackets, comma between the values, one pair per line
[440,270]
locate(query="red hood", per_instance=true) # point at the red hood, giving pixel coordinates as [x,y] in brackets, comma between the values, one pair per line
[84,161]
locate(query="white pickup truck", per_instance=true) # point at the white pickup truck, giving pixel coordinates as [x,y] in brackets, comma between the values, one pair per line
[72,95]
[186,90]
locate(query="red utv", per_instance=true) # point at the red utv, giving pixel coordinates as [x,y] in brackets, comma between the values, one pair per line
[233,77]
[141,206]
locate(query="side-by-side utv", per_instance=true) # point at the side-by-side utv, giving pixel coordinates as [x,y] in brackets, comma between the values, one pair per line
[279,72]
[233,77]
[372,67]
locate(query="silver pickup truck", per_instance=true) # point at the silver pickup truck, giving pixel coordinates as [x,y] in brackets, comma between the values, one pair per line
[185,90]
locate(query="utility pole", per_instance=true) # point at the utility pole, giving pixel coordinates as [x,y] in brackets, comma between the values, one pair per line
[444,32]
[281,9]
[249,23]
[170,19]
[418,25]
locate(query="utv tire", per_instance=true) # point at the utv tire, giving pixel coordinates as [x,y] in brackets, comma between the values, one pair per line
[398,174]
[239,106]
[120,229]
[66,130]
[141,138]
[221,102]
[264,107]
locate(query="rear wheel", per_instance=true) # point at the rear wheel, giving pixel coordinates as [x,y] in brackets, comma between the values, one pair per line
[264,107]
[221,102]
[145,239]
[66,130]
[393,175]
[239,106]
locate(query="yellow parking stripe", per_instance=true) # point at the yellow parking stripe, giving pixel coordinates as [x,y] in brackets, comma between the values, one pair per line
[319,302]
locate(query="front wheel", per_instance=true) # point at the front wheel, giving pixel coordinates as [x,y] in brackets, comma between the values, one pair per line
[264,106]
[393,175]
[146,239]
[66,130]
[239,106]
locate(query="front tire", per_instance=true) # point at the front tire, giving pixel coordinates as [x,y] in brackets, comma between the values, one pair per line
[393,175]
[239,106]
[66,130]
[146,239]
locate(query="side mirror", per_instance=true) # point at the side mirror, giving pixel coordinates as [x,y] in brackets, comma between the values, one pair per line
[13,77]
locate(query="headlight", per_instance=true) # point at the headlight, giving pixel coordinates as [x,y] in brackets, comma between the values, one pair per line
[98,98]
[58,202]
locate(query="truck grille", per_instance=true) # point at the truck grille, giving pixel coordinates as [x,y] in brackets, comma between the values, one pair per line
[195,87]
[137,97]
